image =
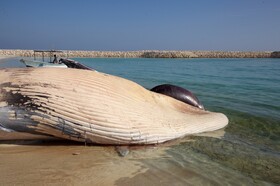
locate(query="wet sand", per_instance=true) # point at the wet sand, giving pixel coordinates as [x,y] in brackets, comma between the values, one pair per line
[58,163]
[67,163]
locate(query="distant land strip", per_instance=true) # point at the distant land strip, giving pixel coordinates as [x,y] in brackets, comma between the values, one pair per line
[149,54]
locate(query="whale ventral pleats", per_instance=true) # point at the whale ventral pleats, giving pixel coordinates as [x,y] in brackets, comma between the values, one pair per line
[94,107]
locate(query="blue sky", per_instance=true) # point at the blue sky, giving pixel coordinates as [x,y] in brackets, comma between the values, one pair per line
[236,25]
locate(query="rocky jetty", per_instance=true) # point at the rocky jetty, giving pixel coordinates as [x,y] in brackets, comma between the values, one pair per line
[151,54]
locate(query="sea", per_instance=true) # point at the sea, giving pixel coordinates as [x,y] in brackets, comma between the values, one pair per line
[247,91]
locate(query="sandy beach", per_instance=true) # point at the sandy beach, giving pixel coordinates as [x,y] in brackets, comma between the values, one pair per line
[51,162]
[163,93]
[40,163]
[247,154]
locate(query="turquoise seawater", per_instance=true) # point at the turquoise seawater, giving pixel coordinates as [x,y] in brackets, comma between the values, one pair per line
[246,90]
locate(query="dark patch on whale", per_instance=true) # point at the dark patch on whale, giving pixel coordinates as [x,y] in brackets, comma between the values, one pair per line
[178,93]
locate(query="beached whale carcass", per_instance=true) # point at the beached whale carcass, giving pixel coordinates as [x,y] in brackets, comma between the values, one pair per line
[94,107]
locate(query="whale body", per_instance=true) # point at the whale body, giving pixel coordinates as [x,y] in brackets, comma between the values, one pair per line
[94,107]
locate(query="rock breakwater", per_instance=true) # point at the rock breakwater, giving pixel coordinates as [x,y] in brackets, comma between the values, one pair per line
[150,54]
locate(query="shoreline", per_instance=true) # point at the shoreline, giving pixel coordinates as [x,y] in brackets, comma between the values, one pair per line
[6,57]
[6,53]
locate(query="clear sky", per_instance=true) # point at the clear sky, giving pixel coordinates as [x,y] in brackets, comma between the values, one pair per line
[237,25]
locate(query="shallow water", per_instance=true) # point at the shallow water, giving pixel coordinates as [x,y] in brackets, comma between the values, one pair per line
[246,90]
